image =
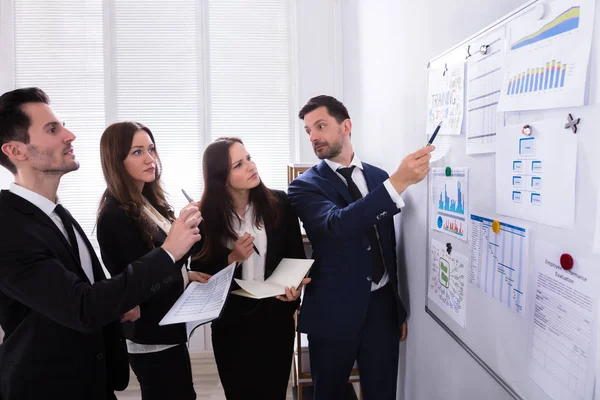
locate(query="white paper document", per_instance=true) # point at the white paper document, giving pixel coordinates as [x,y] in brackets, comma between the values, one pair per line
[442,146]
[498,262]
[535,175]
[484,82]
[450,201]
[447,276]
[201,302]
[562,351]
[289,273]
[446,91]
[547,59]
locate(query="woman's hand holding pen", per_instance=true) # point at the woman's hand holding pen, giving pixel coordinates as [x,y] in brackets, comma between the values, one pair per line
[292,294]
[242,249]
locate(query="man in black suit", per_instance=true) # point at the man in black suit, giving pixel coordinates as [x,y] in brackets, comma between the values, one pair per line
[59,313]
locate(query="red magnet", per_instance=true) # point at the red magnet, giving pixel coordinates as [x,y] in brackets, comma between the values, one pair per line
[566,261]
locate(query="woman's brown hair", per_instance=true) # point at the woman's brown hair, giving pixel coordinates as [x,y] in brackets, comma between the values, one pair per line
[115,145]
[216,204]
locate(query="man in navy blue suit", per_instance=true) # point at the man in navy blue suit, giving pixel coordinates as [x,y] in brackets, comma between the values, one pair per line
[351,310]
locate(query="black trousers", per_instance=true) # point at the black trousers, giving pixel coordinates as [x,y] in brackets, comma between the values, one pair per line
[254,352]
[165,374]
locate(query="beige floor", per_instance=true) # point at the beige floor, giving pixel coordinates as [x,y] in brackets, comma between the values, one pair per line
[206,381]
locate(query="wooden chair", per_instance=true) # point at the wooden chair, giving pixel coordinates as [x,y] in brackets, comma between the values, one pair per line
[301,376]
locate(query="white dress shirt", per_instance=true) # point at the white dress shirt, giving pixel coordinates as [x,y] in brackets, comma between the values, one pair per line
[47,208]
[359,179]
[253,269]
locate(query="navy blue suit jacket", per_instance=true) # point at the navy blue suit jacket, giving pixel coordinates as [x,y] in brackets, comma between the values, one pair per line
[335,302]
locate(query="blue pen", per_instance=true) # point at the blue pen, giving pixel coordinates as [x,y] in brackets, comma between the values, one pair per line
[437,129]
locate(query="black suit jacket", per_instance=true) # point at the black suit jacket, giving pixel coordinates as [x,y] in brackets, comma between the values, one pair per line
[121,242]
[284,241]
[61,339]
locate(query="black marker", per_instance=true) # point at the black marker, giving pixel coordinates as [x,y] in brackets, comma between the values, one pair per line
[434,134]
[191,201]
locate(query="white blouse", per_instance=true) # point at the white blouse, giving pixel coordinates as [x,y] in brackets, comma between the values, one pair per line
[253,269]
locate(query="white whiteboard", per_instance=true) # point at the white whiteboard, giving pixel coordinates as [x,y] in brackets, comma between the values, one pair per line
[494,335]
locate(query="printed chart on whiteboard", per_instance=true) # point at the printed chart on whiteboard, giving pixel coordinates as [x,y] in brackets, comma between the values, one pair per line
[450,198]
[536,174]
[445,98]
[547,60]
[447,281]
[498,261]
[484,77]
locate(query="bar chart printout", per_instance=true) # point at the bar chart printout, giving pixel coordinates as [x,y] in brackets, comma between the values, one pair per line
[450,196]
[546,60]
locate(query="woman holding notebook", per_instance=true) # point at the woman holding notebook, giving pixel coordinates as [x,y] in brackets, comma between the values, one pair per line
[134,218]
[244,222]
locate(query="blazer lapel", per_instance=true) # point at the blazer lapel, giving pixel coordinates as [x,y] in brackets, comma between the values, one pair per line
[27,208]
[326,172]
[273,239]
[371,183]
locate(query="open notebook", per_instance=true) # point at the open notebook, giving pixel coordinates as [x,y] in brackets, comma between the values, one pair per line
[289,273]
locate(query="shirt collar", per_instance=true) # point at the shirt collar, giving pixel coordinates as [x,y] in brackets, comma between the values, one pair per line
[34,198]
[355,162]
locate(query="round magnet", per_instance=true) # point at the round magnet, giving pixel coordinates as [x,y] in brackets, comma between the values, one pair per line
[527,129]
[566,261]
[448,171]
[496,226]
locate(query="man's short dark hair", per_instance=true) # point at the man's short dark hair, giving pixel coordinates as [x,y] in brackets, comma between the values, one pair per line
[14,123]
[335,108]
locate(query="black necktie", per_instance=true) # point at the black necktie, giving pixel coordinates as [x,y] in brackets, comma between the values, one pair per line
[67,222]
[378,265]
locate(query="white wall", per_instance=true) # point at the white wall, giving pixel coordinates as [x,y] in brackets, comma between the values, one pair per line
[386,46]
[319,61]
[5,178]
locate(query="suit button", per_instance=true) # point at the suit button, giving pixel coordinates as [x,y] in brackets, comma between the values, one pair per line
[369,278]
[168,280]
[378,217]
[384,214]
[99,356]
[368,248]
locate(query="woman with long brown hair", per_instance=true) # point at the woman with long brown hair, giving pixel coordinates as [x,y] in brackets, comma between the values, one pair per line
[133,218]
[247,223]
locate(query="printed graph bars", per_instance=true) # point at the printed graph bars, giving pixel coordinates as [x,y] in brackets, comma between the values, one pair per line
[538,79]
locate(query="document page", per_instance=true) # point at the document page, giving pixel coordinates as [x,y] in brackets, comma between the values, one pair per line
[561,359]
[201,302]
